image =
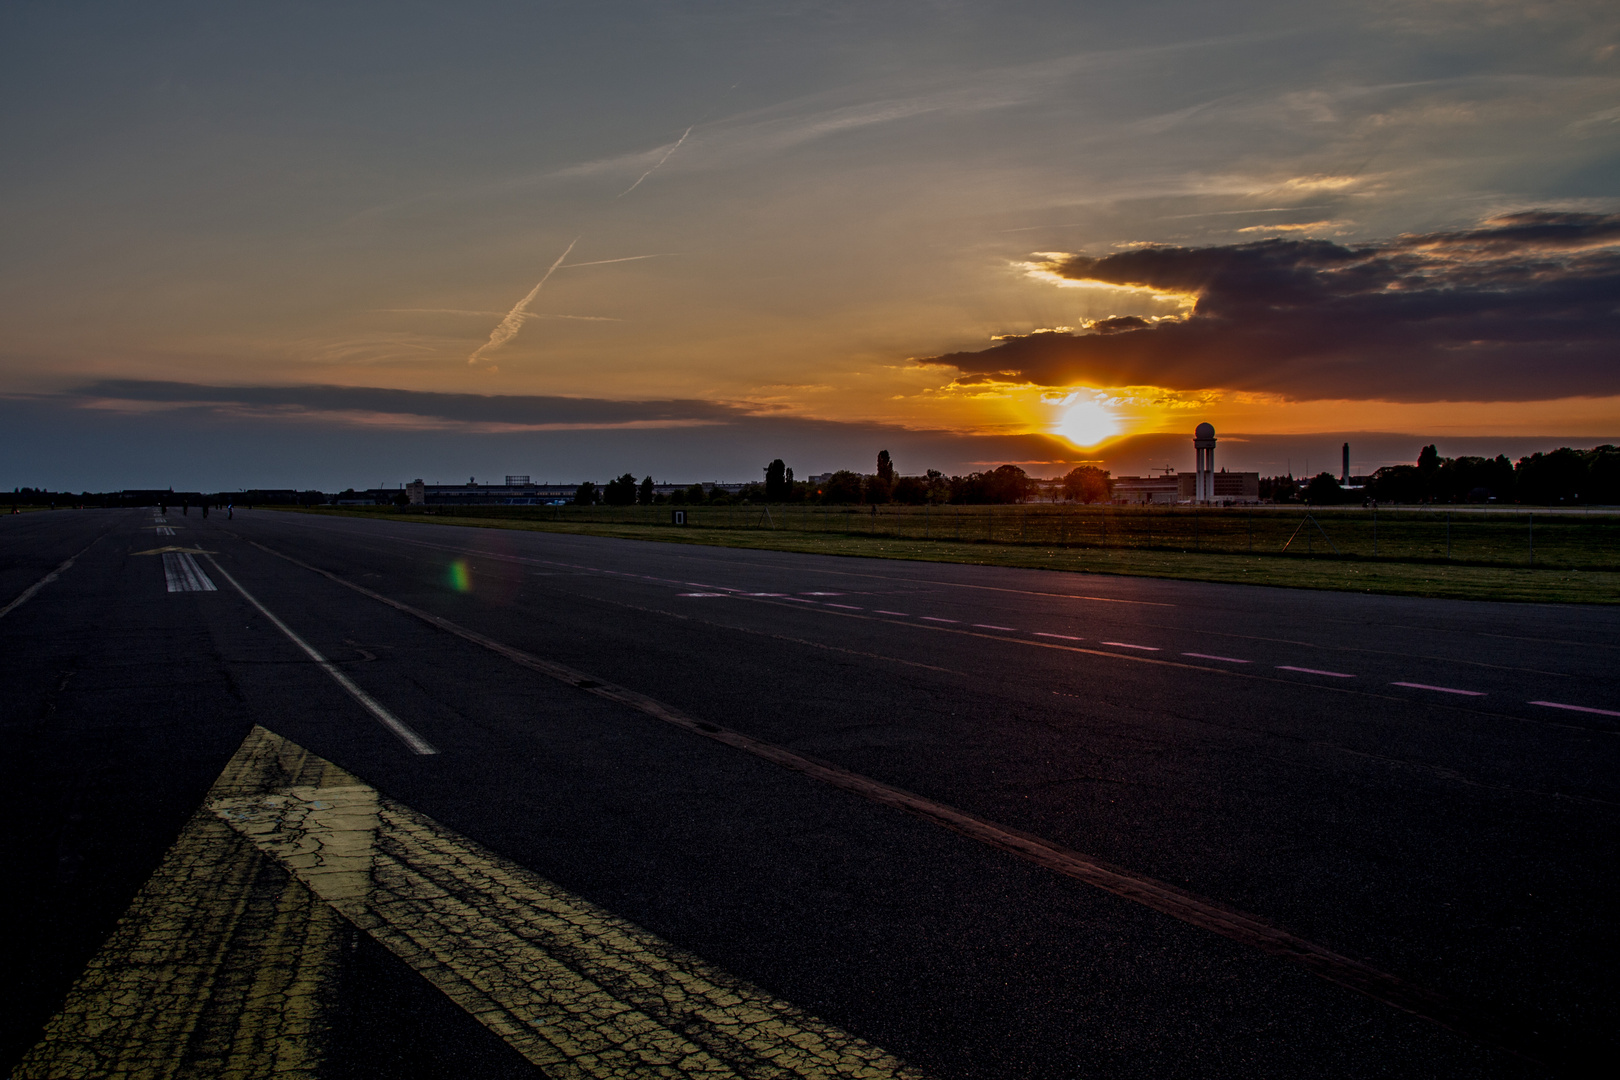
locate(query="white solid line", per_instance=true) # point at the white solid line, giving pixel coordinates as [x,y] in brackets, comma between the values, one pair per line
[1314,671]
[936,618]
[1441,689]
[1128,645]
[1065,637]
[1576,708]
[28,593]
[1208,656]
[987,626]
[387,719]
[880,611]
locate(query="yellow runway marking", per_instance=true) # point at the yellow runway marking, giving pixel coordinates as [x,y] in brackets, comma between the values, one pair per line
[576,990]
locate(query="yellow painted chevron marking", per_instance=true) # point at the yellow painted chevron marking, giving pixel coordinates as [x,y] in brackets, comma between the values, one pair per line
[220,968]
[576,990]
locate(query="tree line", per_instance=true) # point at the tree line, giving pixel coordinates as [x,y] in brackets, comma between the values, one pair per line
[1562,477]
[1004,484]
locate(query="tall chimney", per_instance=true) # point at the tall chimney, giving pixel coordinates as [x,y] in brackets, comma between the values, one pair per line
[1344,477]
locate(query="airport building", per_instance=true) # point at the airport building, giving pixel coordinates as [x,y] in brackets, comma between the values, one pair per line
[1204,486]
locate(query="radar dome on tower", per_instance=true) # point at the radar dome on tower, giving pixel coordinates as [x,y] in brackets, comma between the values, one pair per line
[1204,431]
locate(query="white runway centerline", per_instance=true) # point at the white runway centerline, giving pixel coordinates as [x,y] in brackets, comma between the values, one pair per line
[1439,689]
[1128,645]
[1211,656]
[1315,671]
[1065,637]
[1576,708]
[388,720]
[183,574]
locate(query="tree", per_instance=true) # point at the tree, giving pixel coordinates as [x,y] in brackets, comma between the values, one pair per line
[1008,484]
[1324,490]
[585,494]
[875,489]
[694,494]
[776,482]
[885,468]
[1087,484]
[842,486]
[645,495]
[621,491]
[911,490]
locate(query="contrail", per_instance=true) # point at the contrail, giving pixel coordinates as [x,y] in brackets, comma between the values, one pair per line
[661,160]
[508,327]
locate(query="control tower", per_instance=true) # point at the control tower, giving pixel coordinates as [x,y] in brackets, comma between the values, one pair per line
[1204,464]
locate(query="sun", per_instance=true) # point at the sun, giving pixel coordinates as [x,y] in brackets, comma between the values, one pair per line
[1088,423]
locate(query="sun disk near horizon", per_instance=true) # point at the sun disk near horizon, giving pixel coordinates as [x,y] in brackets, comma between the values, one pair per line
[1087,423]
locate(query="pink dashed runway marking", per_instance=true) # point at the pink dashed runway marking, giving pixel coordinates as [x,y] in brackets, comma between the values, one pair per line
[1128,645]
[1314,671]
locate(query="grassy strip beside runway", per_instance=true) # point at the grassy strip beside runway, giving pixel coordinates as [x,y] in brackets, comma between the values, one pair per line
[1576,557]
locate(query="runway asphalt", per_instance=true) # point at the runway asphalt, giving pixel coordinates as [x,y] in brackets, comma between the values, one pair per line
[1166,794]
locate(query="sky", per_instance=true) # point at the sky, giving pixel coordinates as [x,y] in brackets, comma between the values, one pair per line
[332,245]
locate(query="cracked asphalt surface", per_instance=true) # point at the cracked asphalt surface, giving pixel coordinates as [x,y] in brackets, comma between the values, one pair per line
[1426,787]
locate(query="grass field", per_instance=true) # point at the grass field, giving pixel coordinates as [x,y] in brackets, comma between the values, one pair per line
[1459,554]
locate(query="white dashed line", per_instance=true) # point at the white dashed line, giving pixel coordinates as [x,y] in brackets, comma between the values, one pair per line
[719,594]
[823,594]
[847,607]
[1439,689]
[880,611]
[1314,671]
[764,594]
[1065,637]
[1128,645]
[1576,708]
[936,618]
[1211,656]
[987,626]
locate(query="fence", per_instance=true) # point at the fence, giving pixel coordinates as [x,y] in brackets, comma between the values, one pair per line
[1486,538]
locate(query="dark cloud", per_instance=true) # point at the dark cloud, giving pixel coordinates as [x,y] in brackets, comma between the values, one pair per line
[1525,307]
[406,404]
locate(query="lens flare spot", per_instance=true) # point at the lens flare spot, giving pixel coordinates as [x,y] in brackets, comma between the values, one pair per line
[460,576]
[1088,423]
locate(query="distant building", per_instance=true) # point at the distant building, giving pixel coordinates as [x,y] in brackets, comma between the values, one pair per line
[1162,490]
[1204,485]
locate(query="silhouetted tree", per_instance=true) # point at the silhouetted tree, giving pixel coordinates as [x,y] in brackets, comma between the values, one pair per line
[645,495]
[842,486]
[1324,490]
[586,494]
[1087,484]
[695,493]
[776,482]
[911,490]
[620,491]
[885,468]
[875,489]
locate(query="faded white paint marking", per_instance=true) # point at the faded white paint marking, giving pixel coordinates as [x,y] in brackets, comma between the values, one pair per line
[1063,637]
[1439,689]
[1314,671]
[1128,645]
[182,573]
[987,626]
[1576,708]
[1211,656]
